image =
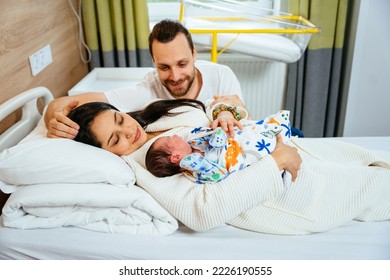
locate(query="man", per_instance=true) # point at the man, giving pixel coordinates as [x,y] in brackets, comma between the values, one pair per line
[177,75]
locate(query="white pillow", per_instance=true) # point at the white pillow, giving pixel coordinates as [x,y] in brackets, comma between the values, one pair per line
[40,160]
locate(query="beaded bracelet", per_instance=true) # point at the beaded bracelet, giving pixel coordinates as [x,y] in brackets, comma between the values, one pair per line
[231,109]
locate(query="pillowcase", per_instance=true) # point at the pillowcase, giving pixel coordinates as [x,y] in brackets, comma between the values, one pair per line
[40,160]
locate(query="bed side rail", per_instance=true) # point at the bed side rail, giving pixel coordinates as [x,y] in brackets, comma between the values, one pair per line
[26,100]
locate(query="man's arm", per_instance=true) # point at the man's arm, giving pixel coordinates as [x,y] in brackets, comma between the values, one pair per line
[56,120]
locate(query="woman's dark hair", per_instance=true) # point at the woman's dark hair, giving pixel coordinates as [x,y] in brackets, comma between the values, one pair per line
[84,116]
[161,108]
[86,113]
[167,30]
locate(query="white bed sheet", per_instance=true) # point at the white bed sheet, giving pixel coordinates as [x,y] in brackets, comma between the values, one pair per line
[354,240]
[367,241]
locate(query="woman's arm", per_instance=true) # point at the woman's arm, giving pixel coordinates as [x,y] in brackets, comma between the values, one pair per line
[243,190]
[202,207]
[56,120]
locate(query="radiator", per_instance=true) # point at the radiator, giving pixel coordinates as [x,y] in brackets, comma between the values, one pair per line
[262,82]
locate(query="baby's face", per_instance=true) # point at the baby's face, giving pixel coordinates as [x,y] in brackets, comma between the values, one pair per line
[175,144]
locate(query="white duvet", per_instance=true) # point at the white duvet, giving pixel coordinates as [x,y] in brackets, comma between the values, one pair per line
[99,207]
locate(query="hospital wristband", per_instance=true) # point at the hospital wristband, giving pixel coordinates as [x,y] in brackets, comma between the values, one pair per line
[223,107]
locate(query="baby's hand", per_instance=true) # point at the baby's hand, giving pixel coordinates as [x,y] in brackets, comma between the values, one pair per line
[227,122]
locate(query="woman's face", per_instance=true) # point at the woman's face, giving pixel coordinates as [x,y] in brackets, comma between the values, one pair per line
[118,132]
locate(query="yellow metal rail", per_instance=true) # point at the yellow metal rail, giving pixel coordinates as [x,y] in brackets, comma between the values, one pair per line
[301,26]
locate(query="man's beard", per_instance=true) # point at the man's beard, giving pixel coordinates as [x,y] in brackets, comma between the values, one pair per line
[182,91]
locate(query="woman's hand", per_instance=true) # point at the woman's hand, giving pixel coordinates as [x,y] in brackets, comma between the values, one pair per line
[57,122]
[226,121]
[287,157]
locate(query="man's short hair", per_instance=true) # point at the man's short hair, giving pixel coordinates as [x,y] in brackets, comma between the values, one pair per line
[167,30]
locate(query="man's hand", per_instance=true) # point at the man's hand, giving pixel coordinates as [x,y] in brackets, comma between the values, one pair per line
[57,122]
[226,121]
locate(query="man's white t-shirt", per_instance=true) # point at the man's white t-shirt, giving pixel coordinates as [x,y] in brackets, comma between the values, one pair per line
[217,79]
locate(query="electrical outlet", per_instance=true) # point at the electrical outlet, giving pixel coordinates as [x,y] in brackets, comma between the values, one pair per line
[40,59]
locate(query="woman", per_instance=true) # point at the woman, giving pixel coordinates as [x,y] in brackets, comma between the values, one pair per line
[338,182]
[103,126]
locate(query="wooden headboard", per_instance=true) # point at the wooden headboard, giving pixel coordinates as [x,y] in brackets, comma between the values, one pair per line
[27,26]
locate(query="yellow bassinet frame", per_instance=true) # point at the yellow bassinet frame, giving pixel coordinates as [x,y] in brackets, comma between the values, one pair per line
[301,26]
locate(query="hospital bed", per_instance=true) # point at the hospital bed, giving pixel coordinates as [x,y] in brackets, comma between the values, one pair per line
[33,167]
